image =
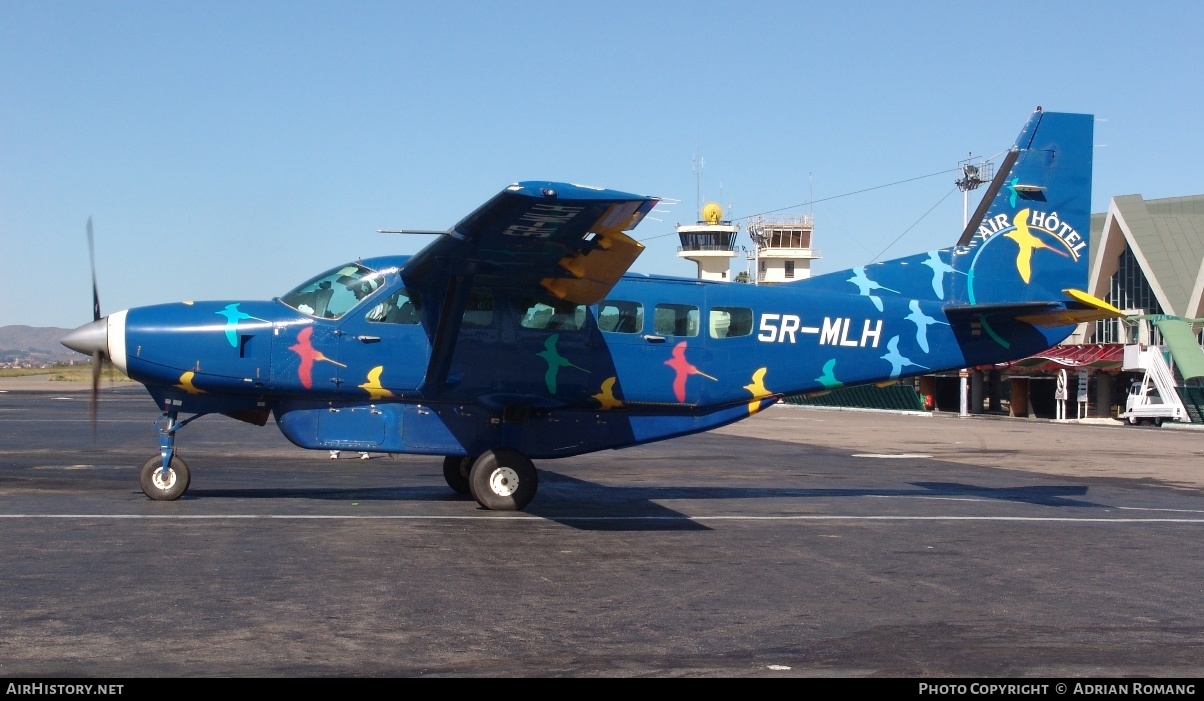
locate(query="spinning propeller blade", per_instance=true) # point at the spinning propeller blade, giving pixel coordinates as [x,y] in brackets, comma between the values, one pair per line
[96,355]
[92,260]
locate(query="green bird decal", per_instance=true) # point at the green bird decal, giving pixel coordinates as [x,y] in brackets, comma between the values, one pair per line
[555,361]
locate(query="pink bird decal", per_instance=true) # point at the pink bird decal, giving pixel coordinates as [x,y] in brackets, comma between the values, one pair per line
[305,348]
[683,368]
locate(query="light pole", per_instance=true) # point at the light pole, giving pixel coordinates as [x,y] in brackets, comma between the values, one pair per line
[973,175]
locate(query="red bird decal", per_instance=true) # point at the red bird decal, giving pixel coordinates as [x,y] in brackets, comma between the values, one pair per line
[683,368]
[305,348]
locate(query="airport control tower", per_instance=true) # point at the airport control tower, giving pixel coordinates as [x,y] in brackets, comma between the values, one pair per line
[782,249]
[711,243]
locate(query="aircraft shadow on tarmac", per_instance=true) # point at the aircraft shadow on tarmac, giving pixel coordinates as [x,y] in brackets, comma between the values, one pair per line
[597,507]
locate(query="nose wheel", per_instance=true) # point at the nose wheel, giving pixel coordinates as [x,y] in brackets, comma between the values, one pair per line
[164,485]
[165,477]
[503,480]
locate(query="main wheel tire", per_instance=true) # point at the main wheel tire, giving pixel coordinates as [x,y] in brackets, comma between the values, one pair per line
[1132,421]
[503,480]
[1157,421]
[455,471]
[160,488]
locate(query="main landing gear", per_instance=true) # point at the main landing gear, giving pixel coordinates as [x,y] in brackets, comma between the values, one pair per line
[165,477]
[500,480]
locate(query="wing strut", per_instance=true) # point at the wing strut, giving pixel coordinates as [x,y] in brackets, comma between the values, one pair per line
[451,315]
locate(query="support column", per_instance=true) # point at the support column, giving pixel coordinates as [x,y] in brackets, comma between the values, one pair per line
[1019,397]
[964,403]
[1103,394]
[994,391]
[977,388]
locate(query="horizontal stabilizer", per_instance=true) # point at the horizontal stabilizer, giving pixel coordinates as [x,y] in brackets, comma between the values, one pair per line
[1078,309]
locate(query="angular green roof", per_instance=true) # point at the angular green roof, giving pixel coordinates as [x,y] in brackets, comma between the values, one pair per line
[1166,236]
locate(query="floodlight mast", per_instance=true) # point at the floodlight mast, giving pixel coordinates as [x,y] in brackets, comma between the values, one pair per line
[973,175]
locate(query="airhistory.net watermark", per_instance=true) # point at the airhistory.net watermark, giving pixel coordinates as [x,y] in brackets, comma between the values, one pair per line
[39,688]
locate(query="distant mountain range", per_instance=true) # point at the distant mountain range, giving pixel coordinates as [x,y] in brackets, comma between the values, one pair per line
[35,345]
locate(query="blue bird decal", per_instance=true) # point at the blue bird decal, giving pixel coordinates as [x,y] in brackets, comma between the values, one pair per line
[234,315]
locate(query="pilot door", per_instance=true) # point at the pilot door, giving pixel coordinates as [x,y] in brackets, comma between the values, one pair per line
[383,346]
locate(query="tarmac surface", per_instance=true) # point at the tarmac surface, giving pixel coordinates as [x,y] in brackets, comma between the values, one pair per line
[800,542]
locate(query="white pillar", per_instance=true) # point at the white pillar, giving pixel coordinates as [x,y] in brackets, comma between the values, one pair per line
[964,411]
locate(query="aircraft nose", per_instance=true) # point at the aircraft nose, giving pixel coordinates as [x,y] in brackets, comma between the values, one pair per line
[92,337]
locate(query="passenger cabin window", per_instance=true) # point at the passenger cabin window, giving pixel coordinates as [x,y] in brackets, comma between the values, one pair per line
[401,307]
[478,311]
[555,316]
[729,322]
[675,320]
[617,316]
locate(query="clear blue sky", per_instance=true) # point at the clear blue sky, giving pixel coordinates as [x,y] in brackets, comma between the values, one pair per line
[229,150]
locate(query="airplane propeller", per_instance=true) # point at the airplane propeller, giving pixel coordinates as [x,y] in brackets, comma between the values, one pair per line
[96,354]
[92,339]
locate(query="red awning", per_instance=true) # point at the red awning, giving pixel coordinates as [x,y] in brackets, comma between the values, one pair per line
[1100,356]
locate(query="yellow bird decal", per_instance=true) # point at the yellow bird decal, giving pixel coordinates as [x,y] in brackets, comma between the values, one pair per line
[1027,242]
[373,386]
[186,383]
[758,389]
[607,396]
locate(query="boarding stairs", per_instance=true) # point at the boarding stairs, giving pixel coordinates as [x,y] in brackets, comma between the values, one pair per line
[1152,360]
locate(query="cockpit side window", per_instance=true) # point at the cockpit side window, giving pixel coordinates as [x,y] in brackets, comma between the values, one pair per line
[401,307]
[331,294]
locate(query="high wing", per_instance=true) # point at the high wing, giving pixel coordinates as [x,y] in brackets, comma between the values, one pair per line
[533,238]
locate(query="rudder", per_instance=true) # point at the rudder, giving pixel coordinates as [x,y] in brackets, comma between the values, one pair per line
[1029,238]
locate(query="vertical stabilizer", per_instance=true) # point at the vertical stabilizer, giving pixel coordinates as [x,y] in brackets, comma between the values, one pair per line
[1028,240]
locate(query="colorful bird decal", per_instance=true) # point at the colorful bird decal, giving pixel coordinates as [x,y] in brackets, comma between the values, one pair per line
[607,396]
[186,383]
[939,268]
[864,284]
[555,361]
[234,315]
[1027,242]
[758,389]
[683,369]
[922,322]
[309,355]
[897,360]
[828,379]
[373,386]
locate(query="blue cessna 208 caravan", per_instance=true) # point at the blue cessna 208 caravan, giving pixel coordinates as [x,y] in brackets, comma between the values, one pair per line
[517,335]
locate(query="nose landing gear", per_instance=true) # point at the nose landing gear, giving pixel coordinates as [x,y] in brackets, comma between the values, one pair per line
[166,476]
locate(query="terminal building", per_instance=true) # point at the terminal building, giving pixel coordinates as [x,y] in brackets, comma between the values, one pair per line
[1147,259]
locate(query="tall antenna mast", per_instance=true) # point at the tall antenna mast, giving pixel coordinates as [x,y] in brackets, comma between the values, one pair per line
[973,175]
[697,165]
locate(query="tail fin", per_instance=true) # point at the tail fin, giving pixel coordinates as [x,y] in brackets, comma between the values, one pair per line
[1028,241]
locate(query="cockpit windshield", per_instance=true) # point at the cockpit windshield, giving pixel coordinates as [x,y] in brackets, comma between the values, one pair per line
[331,294]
